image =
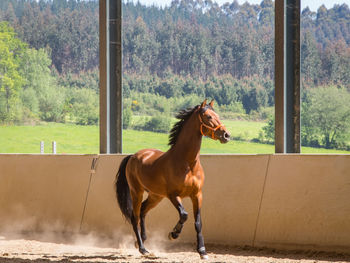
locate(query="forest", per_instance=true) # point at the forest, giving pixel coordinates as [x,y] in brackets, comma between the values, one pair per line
[173,57]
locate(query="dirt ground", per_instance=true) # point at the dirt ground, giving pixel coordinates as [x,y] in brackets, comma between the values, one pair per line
[86,249]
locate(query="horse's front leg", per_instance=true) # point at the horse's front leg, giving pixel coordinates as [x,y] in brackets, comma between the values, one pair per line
[176,200]
[197,204]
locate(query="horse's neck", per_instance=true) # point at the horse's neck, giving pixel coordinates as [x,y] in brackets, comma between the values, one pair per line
[188,144]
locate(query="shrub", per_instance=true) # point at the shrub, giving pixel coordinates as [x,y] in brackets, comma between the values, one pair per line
[83,106]
[51,104]
[158,124]
[267,135]
[127,116]
[233,107]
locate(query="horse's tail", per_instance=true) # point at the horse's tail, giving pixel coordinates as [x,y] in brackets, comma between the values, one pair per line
[123,191]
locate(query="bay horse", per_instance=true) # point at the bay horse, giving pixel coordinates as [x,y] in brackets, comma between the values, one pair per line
[174,174]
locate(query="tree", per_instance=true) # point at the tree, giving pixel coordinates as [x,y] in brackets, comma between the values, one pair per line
[307,18]
[336,63]
[326,116]
[48,100]
[10,79]
[267,12]
[254,99]
[267,134]
[310,61]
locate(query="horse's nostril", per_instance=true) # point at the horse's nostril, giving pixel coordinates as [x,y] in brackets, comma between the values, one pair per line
[226,135]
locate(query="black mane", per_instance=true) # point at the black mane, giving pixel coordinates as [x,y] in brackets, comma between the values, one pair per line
[183,116]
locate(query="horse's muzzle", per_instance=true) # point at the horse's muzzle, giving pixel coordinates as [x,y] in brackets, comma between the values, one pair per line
[225,138]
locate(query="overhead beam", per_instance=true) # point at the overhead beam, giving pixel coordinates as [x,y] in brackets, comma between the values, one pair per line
[287,76]
[110,76]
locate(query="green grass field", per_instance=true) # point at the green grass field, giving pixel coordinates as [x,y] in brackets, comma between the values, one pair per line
[85,140]
[246,130]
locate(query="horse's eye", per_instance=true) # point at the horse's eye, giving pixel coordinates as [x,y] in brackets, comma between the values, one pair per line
[209,117]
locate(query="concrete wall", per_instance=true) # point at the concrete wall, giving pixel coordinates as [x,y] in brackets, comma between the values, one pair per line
[282,201]
[40,190]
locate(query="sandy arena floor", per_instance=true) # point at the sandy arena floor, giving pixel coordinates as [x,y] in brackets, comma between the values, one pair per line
[19,250]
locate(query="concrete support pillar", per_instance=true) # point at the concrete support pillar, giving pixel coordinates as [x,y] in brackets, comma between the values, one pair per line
[110,76]
[287,76]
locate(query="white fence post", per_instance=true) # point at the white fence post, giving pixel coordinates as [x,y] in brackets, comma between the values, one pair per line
[41,146]
[54,147]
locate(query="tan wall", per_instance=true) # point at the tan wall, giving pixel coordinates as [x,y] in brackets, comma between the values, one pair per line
[283,201]
[38,191]
[306,203]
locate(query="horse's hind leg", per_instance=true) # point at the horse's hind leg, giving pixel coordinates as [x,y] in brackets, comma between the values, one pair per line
[151,201]
[135,219]
[176,200]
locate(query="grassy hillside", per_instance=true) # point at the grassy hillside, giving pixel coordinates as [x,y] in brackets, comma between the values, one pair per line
[245,130]
[85,139]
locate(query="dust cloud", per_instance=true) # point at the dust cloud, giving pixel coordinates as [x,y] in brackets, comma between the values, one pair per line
[28,241]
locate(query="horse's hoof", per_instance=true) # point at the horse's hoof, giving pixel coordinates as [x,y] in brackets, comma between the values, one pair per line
[203,253]
[170,236]
[143,251]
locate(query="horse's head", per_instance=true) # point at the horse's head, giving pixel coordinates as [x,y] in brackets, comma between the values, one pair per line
[210,124]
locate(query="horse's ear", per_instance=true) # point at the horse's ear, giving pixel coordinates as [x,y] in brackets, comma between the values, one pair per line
[211,103]
[204,103]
